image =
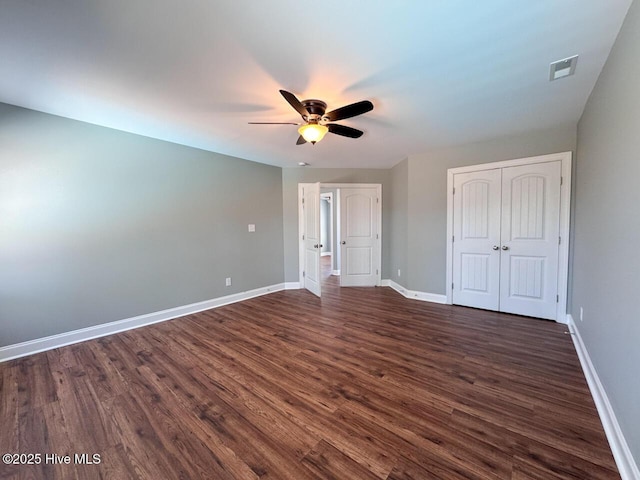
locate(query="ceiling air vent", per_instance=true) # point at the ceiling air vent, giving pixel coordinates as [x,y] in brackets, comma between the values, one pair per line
[562,68]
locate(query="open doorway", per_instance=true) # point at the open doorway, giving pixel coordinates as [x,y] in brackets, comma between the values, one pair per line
[327,236]
[347,247]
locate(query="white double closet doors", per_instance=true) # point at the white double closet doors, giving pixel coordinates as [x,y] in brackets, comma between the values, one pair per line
[506,235]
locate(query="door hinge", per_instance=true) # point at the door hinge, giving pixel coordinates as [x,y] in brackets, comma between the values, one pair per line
[454,190]
[452,286]
[377,236]
[303,274]
[376,271]
[303,236]
[303,200]
[557,298]
[561,180]
[453,238]
[559,240]
[377,200]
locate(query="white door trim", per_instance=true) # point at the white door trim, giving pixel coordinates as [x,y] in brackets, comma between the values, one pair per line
[378,186]
[300,229]
[565,209]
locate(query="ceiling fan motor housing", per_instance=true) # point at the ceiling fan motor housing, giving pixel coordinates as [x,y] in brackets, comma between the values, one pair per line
[316,109]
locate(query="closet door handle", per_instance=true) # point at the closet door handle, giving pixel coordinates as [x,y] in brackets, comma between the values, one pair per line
[496,247]
[504,247]
[343,242]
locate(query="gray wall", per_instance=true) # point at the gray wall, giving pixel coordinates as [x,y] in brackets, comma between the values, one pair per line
[98,225]
[290,179]
[607,228]
[398,208]
[427,197]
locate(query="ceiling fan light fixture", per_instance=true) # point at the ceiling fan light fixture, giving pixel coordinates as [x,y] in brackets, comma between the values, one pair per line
[313,132]
[315,118]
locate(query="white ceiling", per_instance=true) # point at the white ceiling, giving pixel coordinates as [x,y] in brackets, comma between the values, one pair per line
[195,72]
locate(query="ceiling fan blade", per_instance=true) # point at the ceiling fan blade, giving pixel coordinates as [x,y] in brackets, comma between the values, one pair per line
[272,123]
[344,131]
[350,111]
[295,103]
[301,140]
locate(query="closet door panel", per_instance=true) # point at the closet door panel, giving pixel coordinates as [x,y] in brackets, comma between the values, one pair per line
[529,239]
[476,229]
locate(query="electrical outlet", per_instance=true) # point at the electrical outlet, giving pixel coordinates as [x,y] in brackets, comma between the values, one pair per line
[399,273]
[227,282]
[252,227]
[581,314]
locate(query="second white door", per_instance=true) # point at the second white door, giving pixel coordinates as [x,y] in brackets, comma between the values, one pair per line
[359,237]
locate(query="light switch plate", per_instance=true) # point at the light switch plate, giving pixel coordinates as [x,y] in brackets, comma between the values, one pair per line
[252,227]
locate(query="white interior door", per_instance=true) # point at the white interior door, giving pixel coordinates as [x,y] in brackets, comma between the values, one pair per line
[311,236]
[476,239]
[359,237]
[530,239]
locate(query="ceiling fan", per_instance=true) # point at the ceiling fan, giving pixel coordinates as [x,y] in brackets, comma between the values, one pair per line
[317,122]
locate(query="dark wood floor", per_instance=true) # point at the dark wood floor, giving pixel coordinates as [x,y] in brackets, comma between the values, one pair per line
[362,384]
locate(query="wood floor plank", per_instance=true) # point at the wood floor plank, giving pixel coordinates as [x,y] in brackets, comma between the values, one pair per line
[361,384]
[86,416]
[35,382]
[157,404]
[431,466]
[411,439]
[9,408]
[33,438]
[143,445]
[188,393]
[329,463]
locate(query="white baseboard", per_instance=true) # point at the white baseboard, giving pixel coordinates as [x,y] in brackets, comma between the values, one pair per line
[60,340]
[621,452]
[336,272]
[414,294]
[292,285]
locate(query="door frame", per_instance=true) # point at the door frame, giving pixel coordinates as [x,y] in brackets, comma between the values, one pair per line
[338,186]
[565,214]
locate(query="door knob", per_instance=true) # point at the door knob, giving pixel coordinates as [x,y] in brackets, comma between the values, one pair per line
[343,242]
[496,247]
[504,247]
[315,246]
[320,245]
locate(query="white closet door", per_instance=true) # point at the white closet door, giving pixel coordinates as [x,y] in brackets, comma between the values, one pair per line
[529,239]
[476,231]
